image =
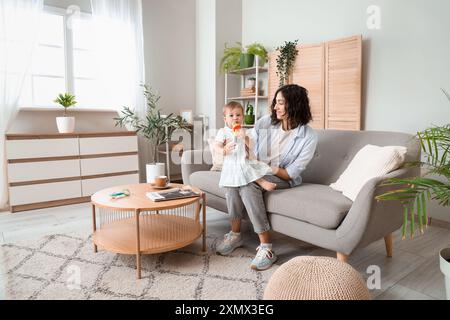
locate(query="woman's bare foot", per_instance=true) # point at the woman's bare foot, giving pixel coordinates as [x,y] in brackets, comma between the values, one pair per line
[266,185]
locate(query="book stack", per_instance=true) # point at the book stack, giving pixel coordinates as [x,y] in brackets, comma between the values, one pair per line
[246,92]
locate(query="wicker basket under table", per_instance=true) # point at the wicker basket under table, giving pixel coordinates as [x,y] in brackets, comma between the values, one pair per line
[138,225]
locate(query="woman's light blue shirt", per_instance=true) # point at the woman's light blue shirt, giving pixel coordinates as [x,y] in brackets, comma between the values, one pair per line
[298,152]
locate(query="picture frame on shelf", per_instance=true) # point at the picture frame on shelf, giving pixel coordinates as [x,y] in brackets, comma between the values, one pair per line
[187,115]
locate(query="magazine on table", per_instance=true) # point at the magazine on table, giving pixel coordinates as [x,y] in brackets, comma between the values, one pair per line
[172,194]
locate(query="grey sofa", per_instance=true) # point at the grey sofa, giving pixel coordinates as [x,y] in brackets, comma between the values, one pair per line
[313,212]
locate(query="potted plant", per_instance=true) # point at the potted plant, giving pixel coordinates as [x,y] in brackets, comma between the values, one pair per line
[231,58]
[286,60]
[249,117]
[251,82]
[258,49]
[65,124]
[237,57]
[415,192]
[155,127]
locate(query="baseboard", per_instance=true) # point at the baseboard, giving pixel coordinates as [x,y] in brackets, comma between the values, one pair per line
[49,204]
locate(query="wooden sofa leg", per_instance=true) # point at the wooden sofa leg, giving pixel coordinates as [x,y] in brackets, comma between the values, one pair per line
[342,257]
[388,241]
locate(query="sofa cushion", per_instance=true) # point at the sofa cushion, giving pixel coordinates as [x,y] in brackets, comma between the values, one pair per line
[207,181]
[313,203]
[370,162]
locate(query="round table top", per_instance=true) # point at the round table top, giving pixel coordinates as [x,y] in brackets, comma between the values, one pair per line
[138,200]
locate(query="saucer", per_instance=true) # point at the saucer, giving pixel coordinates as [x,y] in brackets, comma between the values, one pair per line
[165,187]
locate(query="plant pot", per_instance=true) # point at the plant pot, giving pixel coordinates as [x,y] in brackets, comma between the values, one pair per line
[65,124]
[251,83]
[444,261]
[153,170]
[249,119]
[247,60]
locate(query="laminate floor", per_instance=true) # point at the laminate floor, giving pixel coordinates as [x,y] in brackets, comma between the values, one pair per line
[413,272]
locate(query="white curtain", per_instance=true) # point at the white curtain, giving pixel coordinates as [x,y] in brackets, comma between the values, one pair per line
[19,26]
[119,49]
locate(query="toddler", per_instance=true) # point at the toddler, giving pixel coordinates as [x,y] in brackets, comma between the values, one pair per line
[238,170]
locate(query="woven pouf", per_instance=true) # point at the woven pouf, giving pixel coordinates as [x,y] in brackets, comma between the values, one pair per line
[316,278]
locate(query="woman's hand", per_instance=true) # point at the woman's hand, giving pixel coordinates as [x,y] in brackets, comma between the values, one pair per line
[281,173]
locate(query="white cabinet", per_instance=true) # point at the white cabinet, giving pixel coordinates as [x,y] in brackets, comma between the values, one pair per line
[38,193]
[91,186]
[41,148]
[43,170]
[57,169]
[94,166]
[105,145]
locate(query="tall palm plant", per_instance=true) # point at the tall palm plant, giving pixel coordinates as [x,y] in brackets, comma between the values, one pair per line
[155,127]
[416,192]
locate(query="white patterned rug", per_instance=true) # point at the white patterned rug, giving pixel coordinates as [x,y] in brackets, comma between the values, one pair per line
[64,266]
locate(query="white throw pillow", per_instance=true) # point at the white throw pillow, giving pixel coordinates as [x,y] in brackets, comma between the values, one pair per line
[217,158]
[370,162]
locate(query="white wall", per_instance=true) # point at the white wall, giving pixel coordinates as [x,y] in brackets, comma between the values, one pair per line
[206,59]
[405,63]
[170,61]
[218,22]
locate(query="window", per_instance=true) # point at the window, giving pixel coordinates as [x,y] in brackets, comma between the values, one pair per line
[62,62]
[48,71]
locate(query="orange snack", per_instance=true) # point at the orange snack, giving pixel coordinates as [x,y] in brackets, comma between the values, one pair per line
[236,128]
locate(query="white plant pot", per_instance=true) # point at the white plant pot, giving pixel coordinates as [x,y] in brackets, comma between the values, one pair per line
[65,124]
[155,169]
[251,83]
[444,258]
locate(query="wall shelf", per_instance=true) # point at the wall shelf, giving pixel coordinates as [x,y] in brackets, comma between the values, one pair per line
[247,98]
[244,75]
[249,71]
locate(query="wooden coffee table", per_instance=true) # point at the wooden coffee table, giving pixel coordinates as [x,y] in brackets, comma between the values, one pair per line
[138,225]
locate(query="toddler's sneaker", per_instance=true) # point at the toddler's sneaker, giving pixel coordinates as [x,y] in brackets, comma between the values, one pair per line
[230,242]
[264,259]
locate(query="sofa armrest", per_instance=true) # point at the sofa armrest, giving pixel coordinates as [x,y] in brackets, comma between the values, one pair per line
[193,161]
[368,219]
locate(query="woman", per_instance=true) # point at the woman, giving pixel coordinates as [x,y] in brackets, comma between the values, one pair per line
[283,140]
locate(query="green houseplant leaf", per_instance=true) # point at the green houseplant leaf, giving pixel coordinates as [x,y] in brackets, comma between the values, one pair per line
[231,58]
[286,60]
[153,125]
[415,192]
[258,49]
[66,100]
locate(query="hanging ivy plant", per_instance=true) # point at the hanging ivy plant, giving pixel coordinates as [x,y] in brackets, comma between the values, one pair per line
[286,60]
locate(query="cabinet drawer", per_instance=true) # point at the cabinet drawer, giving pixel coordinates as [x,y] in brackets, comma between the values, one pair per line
[41,148]
[108,145]
[33,171]
[44,192]
[91,186]
[95,166]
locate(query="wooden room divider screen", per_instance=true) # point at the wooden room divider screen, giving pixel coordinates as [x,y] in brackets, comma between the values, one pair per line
[331,72]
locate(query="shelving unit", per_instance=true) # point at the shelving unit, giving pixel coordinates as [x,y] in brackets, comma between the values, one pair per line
[245,73]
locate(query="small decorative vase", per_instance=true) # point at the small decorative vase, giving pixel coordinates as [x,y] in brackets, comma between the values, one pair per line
[65,124]
[444,262]
[249,119]
[154,170]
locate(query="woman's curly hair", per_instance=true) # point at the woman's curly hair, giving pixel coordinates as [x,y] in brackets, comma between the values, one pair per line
[296,104]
